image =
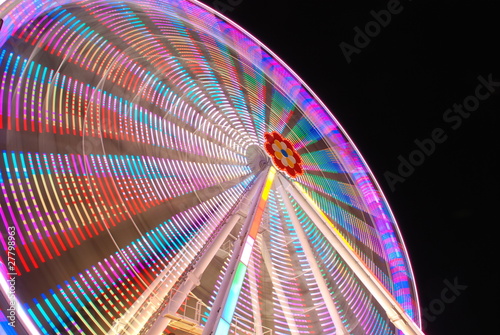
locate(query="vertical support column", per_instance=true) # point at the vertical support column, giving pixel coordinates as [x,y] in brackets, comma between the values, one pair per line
[393,309]
[254,294]
[320,281]
[194,277]
[222,311]
[278,288]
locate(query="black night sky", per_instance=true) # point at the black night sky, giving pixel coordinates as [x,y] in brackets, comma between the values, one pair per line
[395,93]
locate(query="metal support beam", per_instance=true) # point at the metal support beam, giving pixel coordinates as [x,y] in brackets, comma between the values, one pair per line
[393,309]
[278,288]
[222,311]
[193,278]
[254,295]
[320,280]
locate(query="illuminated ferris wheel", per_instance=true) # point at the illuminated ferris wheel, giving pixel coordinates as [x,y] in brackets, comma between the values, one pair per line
[163,172]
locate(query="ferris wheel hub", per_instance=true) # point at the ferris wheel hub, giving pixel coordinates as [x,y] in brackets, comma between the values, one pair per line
[257,158]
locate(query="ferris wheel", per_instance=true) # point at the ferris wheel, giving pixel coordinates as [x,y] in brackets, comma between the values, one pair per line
[163,172]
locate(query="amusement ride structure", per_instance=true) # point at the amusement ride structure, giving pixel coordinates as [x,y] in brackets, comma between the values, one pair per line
[163,171]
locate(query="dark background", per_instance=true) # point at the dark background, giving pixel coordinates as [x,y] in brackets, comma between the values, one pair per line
[396,91]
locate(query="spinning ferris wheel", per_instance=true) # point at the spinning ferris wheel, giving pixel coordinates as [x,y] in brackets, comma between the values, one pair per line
[162,171]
